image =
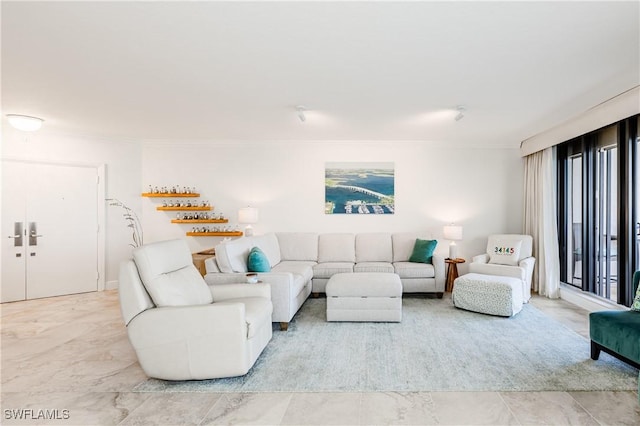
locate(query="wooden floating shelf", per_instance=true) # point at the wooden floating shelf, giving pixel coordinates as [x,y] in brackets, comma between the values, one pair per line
[169,194]
[199,220]
[197,208]
[215,234]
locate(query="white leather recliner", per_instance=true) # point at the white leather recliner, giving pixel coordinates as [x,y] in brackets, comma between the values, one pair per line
[183,329]
[507,255]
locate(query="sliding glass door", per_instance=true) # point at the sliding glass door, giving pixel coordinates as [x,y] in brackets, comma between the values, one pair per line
[636,211]
[599,210]
[574,230]
[606,223]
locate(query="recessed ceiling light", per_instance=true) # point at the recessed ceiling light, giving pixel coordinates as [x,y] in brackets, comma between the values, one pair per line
[25,123]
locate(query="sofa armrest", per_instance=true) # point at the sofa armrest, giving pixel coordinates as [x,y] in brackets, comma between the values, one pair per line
[481,258]
[281,284]
[210,265]
[282,295]
[527,264]
[439,269]
[222,292]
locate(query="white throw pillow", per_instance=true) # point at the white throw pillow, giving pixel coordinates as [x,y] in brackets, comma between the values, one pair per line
[505,252]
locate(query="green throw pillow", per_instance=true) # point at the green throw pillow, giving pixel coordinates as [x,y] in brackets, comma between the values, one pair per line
[423,251]
[636,302]
[258,261]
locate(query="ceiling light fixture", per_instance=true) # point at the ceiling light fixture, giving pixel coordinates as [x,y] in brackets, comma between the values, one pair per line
[461,109]
[24,122]
[300,109]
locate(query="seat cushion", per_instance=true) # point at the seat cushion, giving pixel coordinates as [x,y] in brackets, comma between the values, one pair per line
[257,312]
[296,267]
[328,269]
[373,267]
[414,270]
[169,276]
[618,331]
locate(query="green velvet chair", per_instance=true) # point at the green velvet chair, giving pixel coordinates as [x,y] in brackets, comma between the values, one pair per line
[617,333]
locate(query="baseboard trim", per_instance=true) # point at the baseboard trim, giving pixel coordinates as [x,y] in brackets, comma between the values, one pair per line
[588,301]
[111,285]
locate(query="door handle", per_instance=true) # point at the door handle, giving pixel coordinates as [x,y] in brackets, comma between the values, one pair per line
[33,234]
[18,230]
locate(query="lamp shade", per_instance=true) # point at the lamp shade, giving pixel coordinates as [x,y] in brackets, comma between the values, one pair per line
[453,232]
[24,122]
[248,215]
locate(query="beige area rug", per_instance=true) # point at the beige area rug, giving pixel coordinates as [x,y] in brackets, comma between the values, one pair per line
[436,347]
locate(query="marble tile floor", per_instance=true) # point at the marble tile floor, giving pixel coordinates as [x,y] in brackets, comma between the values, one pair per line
[70,355]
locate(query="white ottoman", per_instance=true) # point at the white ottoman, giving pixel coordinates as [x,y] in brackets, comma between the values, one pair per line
[488,294]
[364,296]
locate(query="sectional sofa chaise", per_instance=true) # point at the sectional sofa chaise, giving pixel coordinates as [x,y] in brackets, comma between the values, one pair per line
[302,263]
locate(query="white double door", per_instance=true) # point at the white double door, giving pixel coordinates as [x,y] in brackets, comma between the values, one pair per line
[49,230]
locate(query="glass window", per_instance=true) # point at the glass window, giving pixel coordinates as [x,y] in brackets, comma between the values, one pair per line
[574,243]
[592,213]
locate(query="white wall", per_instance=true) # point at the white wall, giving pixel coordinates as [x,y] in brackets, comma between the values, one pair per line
[480,189]
[123,168]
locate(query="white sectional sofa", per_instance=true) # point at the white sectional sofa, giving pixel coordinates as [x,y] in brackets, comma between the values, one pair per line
[302,263]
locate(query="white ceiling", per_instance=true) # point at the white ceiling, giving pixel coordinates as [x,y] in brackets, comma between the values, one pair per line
[365,70]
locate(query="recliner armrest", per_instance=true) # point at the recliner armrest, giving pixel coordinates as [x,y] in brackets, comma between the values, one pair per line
[171,324]
[215,278]
[223,292]
[183,342]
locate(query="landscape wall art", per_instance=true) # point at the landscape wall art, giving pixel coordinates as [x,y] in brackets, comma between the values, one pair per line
[359,188]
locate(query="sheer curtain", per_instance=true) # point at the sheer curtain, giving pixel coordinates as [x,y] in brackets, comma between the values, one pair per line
[540,221]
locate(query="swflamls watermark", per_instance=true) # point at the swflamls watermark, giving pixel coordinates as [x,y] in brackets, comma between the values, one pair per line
[36,414]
